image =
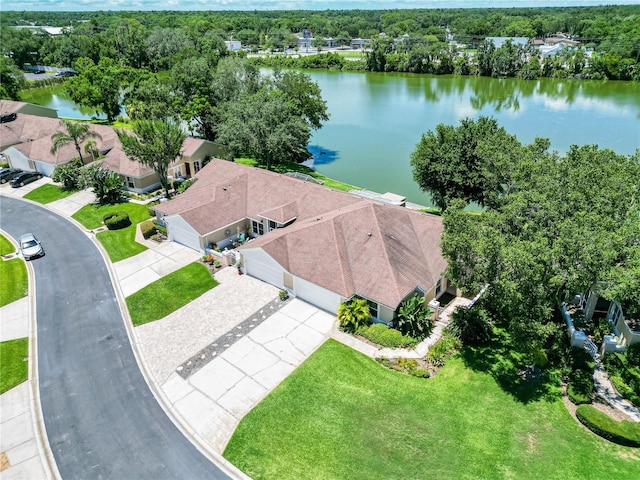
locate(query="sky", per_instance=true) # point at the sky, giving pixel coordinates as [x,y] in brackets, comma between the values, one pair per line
[95,5]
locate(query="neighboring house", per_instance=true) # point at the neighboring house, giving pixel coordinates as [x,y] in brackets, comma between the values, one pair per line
[626,328]
[137,177]
[29,137]
[359,43]
[7,107]
[25,141]
[322,245]
[195,152]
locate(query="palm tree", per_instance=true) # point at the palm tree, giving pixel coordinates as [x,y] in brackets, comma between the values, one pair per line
[76,133]
[91,148]
[354,314]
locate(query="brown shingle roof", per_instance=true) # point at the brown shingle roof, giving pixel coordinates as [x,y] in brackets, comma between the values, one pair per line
[191,145]
[226,192]
[382,252]
[117,161]
[341,242]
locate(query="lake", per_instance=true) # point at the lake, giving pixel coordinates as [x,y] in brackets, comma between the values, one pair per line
[377,118]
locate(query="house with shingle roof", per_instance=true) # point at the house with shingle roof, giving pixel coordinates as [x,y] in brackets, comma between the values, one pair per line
[25,141]
[322,245]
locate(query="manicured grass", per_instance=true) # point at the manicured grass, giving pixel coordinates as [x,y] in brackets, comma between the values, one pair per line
[14,368]
[119,244]
[48,193]
[340,415]
[14,282]
[6,246]
[171,292]
[296,167]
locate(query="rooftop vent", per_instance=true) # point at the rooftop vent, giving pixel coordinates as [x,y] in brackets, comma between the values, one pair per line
[10,117]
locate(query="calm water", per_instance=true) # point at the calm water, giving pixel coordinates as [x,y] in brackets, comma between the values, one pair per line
[377,118]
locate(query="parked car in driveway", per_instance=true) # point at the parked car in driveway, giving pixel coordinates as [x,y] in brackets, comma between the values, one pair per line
[23,178]
[30,247]
[7,174]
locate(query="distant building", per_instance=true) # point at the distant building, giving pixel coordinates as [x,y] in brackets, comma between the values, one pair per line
[233,45]
[359,43]
[50,30]
[499,41]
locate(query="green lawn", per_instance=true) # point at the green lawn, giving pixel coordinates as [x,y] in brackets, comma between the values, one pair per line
[48,193]
[296,167]
[340,415]
[14,367]
[6,246]
[119,244]
[13,275]
[170,293]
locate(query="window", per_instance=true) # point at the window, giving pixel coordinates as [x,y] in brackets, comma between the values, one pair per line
[439,287]
[257,227]
[196,167]
[272,225]
[130,182]
[373,308]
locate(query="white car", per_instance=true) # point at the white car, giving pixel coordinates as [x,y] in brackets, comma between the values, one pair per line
[30,247]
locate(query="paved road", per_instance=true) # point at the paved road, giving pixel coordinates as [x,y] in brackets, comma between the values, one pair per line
[102,420]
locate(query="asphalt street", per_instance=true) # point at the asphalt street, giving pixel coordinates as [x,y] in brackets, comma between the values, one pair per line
[101,418]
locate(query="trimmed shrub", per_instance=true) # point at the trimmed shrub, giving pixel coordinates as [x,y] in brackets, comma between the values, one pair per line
[148,229]
[623,433]
[580,387]
[387,337]
[443,349]
[580,359]
[625,390]
[116,220]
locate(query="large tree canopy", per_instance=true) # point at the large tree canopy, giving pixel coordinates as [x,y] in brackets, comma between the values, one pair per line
[470,162]
[156,143]
[569,223]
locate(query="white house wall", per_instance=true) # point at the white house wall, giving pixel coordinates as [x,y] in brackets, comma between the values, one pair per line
[17,159]
[44,167]
[181,232]
[261,265]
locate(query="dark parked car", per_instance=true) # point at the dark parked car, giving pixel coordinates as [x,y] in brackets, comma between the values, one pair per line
[23,178]
[7,174]
[66,73]
[30,246]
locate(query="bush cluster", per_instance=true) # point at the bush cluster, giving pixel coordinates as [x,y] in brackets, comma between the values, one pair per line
[443,349]
[624,372]
[148,229]
[387,337]
[623,433]
[580,359]
[404,365]
[580,387]
[116,220]
[580,380]
[471,325]
[414,318]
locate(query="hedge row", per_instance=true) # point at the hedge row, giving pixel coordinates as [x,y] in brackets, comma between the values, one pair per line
[580,387]
[116,220]
[387,337]
[623,433]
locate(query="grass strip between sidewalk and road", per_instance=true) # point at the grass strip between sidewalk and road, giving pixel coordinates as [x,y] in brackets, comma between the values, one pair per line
[48,193]
[341,415]
[13,275]
[119,244]
[171,292]
[14,364]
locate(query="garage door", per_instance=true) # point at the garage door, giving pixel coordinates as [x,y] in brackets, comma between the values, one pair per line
[316,295]
[181,232]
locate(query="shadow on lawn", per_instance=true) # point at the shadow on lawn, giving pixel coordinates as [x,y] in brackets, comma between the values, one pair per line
[511,372]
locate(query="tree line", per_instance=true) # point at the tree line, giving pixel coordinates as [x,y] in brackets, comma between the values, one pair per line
[160,40]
